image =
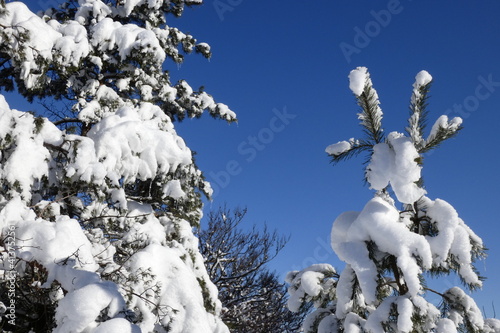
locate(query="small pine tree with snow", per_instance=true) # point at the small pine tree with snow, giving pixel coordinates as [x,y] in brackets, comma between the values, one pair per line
[99,196]
[399,238]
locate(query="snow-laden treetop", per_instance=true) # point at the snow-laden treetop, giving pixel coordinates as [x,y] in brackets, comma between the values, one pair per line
[398,239]
[395,158]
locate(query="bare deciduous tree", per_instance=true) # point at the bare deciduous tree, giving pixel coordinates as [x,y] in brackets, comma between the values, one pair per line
[253,297]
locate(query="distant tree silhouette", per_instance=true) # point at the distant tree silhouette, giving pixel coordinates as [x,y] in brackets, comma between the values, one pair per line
[253,297]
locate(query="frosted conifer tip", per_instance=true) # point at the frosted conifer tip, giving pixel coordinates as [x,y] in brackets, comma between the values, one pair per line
[422,78]
[357,80]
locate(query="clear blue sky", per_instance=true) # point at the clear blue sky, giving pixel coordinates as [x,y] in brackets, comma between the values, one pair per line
[283,66]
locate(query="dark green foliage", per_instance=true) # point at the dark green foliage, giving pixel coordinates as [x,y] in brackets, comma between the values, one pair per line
[370,115]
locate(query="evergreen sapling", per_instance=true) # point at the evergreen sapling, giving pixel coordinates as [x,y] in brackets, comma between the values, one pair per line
[389,251]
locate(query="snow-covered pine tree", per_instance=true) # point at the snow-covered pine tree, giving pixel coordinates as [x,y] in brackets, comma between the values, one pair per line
[389,251]
[98,201]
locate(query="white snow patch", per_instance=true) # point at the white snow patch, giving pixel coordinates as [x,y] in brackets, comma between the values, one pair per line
[338,148]
[421,79]
[379,223]
[180,292]
[311,282]
[78,310]
[396,164]
[358,79]
[117,325]
[405,311]
[445,325]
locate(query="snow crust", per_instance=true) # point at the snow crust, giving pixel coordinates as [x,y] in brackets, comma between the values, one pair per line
[379,222]
[137,143]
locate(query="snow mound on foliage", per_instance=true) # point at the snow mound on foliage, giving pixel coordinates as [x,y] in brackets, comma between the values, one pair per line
[421,79]
[379,223]
[134,143]
[28,163]
[395,163]
[358,78]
